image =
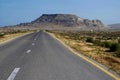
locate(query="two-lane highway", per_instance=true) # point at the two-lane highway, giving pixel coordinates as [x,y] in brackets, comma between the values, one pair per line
[38,56]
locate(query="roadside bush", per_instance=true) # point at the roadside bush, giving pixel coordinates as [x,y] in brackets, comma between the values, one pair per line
[103,44]
[2,34]
[17,31]
[119,41]
[98,42]
[107,44]
[90,39]
[118,53]
[115,47]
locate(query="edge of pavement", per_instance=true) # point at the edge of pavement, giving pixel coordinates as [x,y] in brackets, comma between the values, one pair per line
[89,60]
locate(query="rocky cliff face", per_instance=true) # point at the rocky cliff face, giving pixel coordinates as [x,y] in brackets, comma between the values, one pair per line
[93,23]
[58,19]
[64,21]
[67,20]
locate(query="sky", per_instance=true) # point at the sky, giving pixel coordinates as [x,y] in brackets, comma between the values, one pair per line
[13,12]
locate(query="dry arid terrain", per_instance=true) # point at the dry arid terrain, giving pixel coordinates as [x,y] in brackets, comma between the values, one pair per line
[9,34]
[103,47]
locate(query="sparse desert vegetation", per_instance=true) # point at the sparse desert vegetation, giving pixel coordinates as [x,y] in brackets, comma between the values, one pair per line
[6,34]
[103,47]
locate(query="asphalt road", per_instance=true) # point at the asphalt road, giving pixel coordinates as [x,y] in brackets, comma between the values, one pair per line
[38,56]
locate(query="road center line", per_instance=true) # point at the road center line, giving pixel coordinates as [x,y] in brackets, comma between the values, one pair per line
[28,51]
[36,36]
[13,74]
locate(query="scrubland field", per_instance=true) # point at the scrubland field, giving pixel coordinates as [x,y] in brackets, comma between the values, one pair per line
[7,34]
[103,47]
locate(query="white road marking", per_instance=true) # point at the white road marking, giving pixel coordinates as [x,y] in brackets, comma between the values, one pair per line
[33,44]
[36,37]
[13,74]
[28,51]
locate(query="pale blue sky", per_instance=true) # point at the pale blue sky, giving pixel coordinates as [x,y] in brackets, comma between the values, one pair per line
[18,11]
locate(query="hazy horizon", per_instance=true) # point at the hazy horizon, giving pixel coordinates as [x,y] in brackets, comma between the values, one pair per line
[20,11]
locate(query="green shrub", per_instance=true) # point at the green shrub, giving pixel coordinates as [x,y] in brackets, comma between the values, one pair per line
[119,41]
[97,42]
[90,39]
[107,44]
[115,47]
[102,44]
[118,53]
[2,34]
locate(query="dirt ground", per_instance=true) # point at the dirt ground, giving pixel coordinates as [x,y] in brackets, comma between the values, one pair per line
[97,53]
[11,36]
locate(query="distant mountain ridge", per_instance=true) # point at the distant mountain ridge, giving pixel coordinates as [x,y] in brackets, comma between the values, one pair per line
[59,19]
[67,20]
[62,21]
[115,26]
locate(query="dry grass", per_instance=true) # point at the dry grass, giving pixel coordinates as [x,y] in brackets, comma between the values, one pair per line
[11,36]
[97,53]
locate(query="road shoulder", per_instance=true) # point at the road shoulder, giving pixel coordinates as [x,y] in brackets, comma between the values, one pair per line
[94,63]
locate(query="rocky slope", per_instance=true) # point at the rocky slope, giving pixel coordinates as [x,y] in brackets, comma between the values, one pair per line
[67,20]
[63,21]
